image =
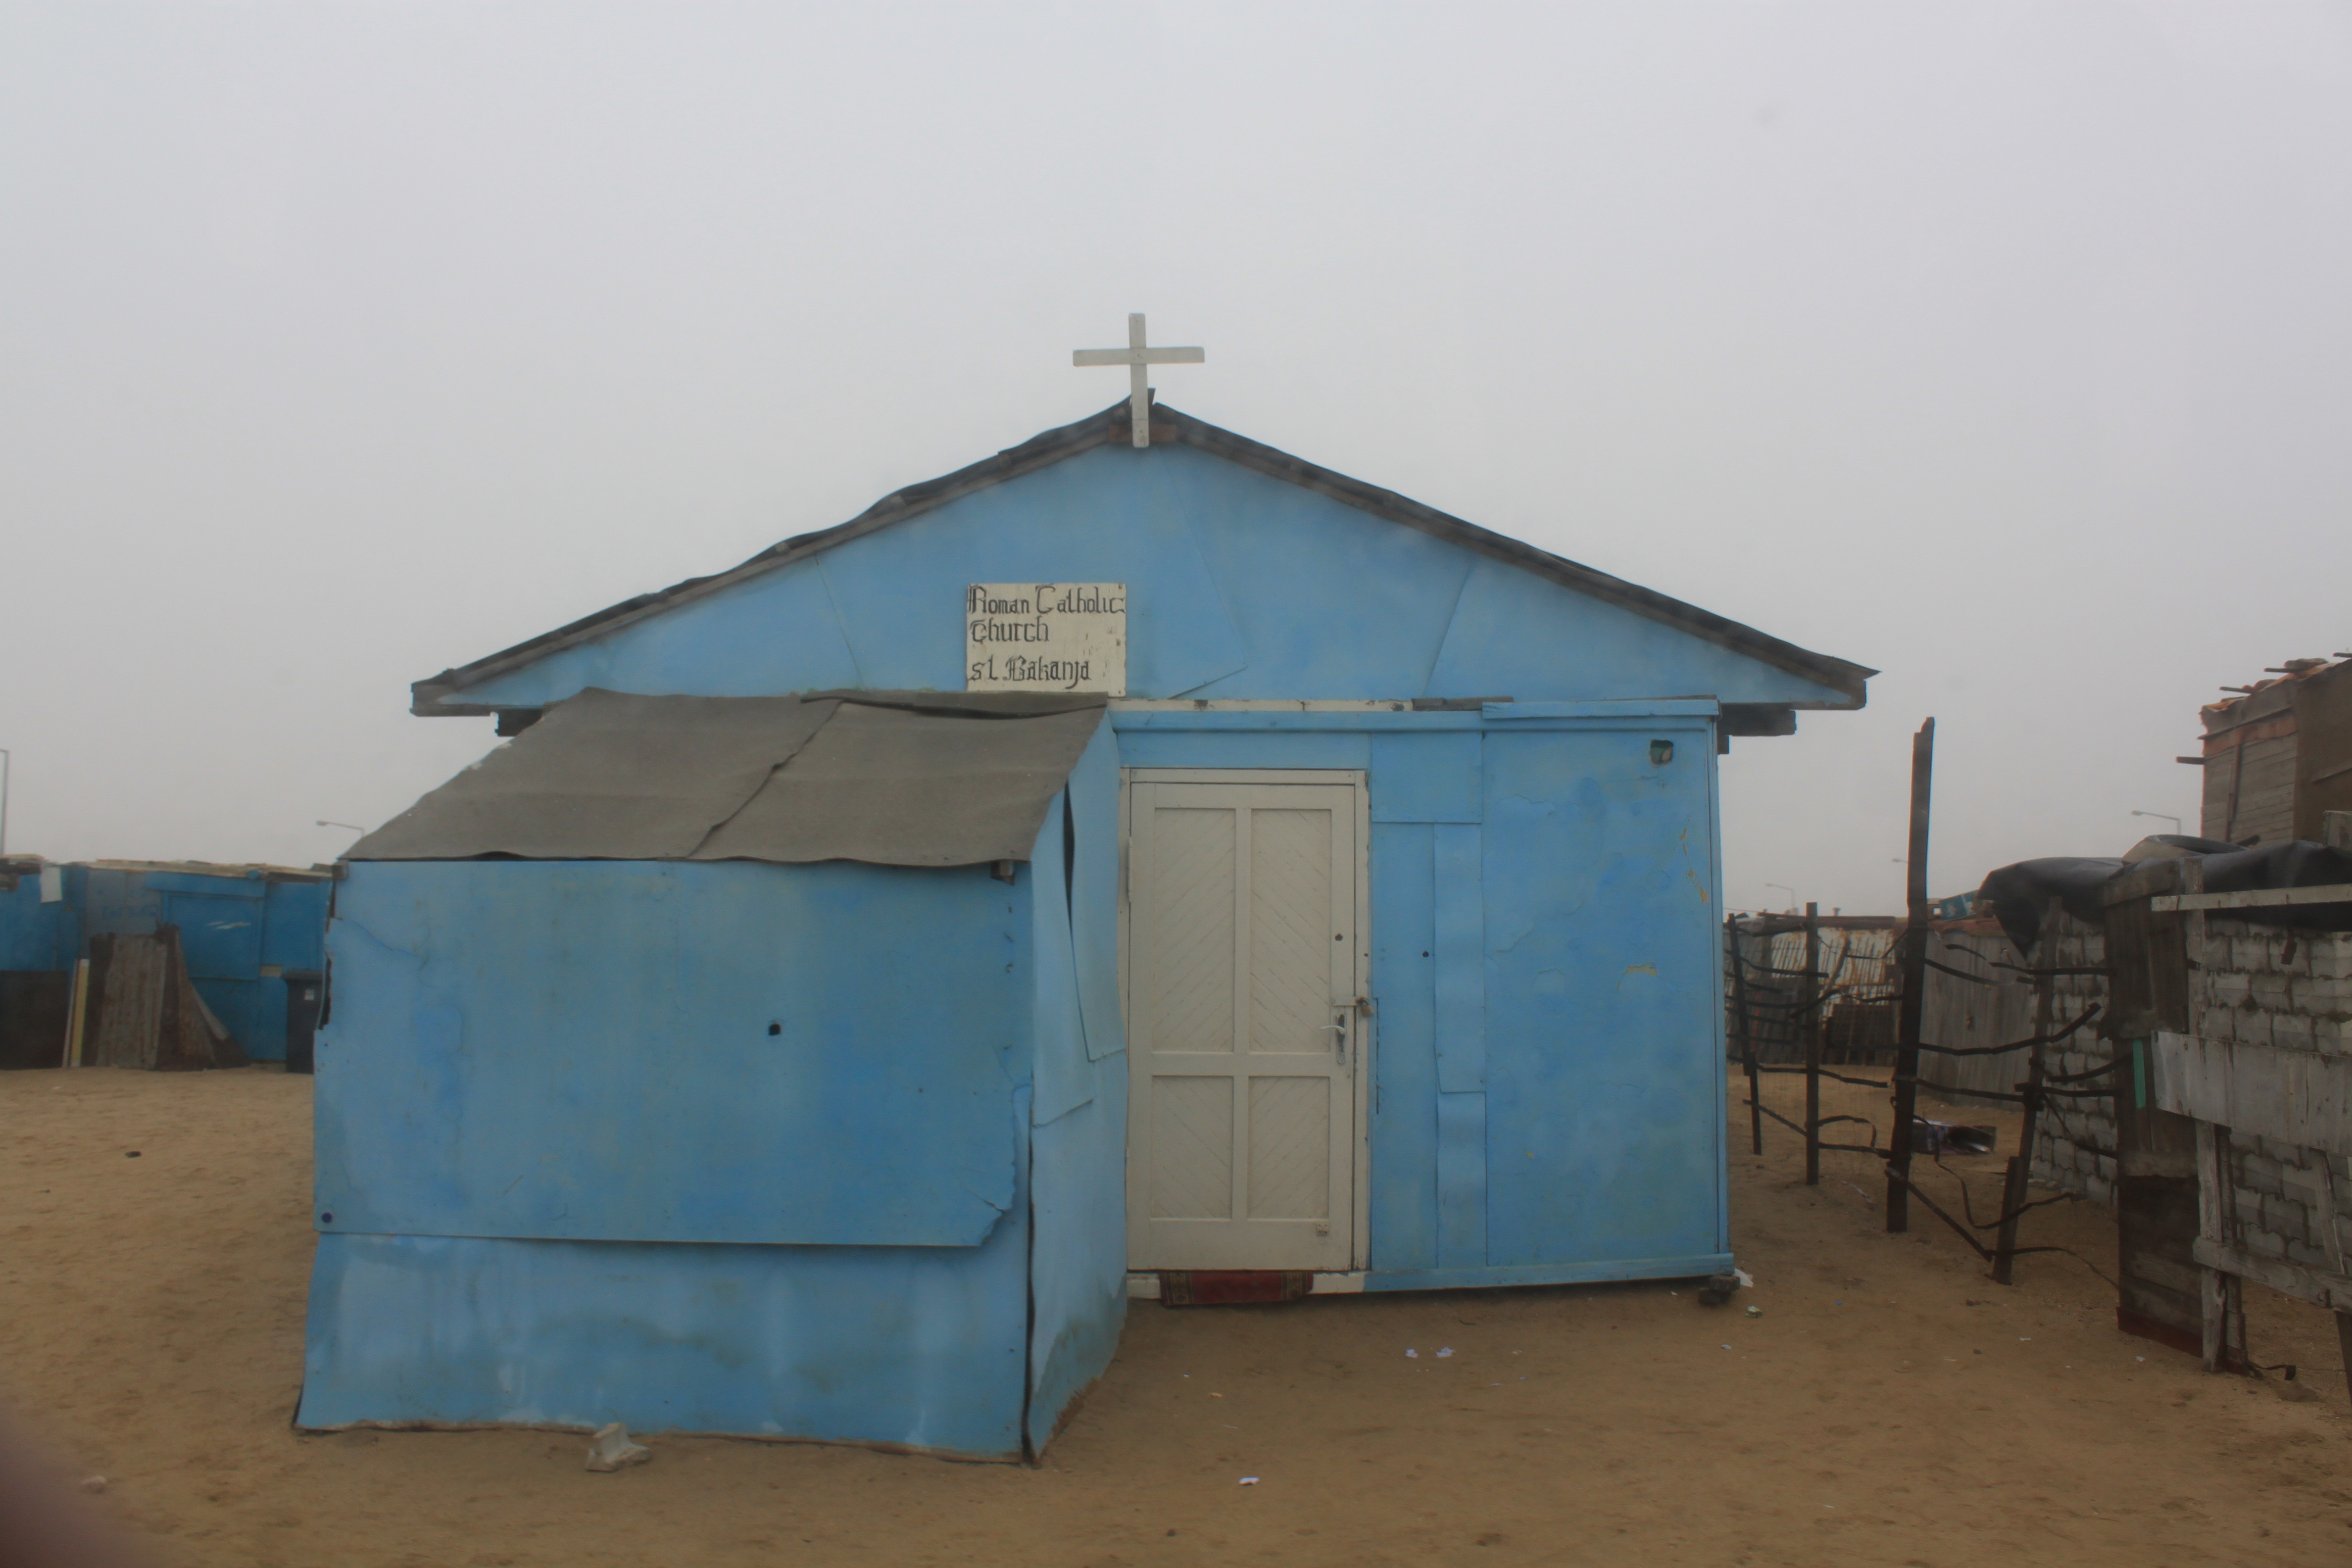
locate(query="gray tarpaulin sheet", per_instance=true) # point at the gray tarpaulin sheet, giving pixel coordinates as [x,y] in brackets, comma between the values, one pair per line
[2016,894]
[890,778]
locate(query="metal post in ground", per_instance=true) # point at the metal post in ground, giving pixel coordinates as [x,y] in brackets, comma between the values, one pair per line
[2020,1165]
[1914,985]
[1808,1001]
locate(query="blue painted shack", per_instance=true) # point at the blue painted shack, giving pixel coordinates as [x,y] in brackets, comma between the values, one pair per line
[252,938]
[1367,942]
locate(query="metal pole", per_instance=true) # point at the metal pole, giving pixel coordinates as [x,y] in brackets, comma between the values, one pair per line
[1915,986]
[7,766]
[1747,1033]
[2020,1165]
[1808,1001]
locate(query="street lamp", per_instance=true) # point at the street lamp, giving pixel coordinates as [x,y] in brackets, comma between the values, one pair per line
[2161,816]
[1788,890]
[354,826]
[7,766]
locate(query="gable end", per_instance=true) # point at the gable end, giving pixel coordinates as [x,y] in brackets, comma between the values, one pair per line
[433,696]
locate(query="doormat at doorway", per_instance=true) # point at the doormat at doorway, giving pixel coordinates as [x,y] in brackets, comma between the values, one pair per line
[1228,1287]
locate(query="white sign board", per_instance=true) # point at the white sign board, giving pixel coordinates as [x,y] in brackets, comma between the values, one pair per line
[1046,636]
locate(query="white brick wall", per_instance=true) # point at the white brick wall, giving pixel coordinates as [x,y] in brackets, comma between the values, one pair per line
[2074,1130]
[2291,990]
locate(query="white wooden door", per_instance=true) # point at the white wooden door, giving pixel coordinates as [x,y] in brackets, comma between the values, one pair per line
[1245,969]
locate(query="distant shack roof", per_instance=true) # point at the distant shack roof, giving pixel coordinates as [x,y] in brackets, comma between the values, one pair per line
[887,778]
[239,870]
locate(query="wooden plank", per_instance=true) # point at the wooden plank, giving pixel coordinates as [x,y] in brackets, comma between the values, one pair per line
[2313,1285]
[1914,982]
[2253,899]
[2013,1192]
[2152,1269]
[2330,1225]
[2212,1222]
[2296,1096]
[1809,1020]
[1744,1028]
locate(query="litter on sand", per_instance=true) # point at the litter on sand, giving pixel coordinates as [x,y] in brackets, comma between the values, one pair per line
[1747,1281]
[1939,1137]
[1249,1480]
[612,1450]
[1413,1355]
[1446,1351]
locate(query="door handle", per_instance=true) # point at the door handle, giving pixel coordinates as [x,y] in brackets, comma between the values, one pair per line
[1341,1029]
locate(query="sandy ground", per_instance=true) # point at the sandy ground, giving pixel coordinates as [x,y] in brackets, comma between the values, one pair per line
[1891,1405]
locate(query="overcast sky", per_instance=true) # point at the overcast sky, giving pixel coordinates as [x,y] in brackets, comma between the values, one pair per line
[2004,348]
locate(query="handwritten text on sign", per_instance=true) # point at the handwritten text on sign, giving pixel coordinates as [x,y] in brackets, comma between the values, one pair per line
[1046,636]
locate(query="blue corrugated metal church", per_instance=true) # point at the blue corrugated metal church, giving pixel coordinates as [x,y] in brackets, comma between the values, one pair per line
[1111,866]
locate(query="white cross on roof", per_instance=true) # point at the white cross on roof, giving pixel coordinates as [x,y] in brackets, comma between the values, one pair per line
[1135,356]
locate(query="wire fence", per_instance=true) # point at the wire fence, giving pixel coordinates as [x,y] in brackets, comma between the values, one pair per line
[1783,1019]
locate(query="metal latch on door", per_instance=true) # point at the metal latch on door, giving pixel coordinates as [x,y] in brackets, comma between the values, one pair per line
[1360,1007]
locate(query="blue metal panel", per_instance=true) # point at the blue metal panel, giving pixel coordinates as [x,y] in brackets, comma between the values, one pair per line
[1107,516]
[1077,1150]
[1078,1265]
[1332,602]
[119,902]
[1461,960]
[878,1344]
[237,887]
[29,929]
[267,1012]
[219,937]
[1140,747]
[220,940]
[1604,1137]
[1425,778]
[1094,892]
[582,1050]
[293,937]
[1516,635]
[294,925]
[1065,1073]
[1462,1181]
[1404,1102]
[1718,1051]
[1293,721]
[773,634]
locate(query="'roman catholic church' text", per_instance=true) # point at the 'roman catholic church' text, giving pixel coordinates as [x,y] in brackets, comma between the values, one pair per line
[1061,636]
